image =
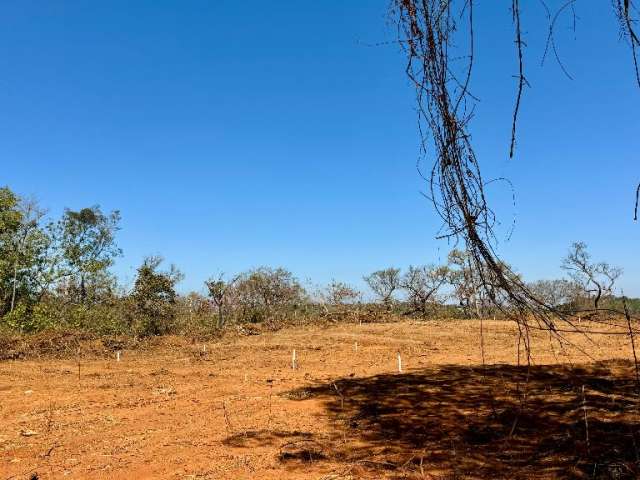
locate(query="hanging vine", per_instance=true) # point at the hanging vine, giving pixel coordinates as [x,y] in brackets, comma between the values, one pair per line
[430,31]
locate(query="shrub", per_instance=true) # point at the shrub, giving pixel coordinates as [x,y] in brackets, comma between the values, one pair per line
[154,298]
[265,292]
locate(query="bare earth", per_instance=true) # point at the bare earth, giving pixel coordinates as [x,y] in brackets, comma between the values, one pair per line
[239,410]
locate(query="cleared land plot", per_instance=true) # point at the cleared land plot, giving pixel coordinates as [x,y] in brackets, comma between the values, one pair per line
[240,411]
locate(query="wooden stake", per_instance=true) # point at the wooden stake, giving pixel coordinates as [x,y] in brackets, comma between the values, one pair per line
[356,346]
[399,363]
[118,356]
[270,382]
[78,364]
[293,360]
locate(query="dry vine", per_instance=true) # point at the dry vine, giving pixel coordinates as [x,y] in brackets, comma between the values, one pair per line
[429,31]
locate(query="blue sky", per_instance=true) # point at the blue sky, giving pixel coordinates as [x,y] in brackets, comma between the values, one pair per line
[232,135]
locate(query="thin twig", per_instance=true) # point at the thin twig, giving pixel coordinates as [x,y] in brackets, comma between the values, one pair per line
[635,210]
[515,6]
[586,421]
[633,343]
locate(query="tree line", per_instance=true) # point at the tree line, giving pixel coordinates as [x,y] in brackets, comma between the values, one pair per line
[56,273]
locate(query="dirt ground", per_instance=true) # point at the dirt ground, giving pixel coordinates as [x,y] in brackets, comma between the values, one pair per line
[236,409]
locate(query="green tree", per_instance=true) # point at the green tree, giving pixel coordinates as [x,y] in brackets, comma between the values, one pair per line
[89,248]
[10,223]
[29,252]
[154,296]
[262,292]
[30,256]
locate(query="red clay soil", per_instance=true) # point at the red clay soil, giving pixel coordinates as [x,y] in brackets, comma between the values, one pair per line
[239,411]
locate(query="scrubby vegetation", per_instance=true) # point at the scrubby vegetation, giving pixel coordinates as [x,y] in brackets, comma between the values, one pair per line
[55,274]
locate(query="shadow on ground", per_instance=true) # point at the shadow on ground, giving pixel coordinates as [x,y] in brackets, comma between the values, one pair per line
[470,422]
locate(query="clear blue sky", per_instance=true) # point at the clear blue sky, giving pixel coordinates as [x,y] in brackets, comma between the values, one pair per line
[236,134]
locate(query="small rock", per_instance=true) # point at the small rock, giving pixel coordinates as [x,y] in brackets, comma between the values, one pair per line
[164,391]
[28,433]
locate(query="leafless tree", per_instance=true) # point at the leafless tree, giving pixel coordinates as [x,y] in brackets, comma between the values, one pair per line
[340,293]
[422,284]
[556,293]
[478,289]
[218,289]
[384,284]
[596,279]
